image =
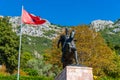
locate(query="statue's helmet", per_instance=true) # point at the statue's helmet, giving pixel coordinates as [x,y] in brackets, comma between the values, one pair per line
[66,31]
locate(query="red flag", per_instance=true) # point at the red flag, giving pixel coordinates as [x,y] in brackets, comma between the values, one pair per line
[28,18]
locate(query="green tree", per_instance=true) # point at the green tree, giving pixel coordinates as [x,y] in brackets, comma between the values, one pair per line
[9,44]
[25,57]
[39,66]
[94,52]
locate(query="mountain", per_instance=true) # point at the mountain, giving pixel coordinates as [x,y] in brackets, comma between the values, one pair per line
[99,25]
[46,30]
[51,31]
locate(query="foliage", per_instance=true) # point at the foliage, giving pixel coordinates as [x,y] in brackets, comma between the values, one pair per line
[25,78]
[40,66]
[112,39]
[93,52]
[25,57]
[116,72]
[9,44]
[50,32]
[108,78]
[22,73]
[53,56]
[31,72]
[31,44]
[3,71]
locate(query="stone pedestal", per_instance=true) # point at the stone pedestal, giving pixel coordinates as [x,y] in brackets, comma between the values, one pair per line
[75,73]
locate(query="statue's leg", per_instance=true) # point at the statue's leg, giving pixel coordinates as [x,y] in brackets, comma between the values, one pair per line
[76,57]
[69,47]
[62,58]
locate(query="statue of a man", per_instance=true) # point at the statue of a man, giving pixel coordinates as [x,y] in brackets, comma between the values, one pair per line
[68,39]
[63,39]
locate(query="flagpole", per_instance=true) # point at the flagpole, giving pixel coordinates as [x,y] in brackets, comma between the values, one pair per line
[18,75]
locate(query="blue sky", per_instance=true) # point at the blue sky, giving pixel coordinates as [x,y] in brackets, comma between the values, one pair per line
[64,12]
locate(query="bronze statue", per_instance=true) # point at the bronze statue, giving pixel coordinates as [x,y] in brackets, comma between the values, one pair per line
[68,48]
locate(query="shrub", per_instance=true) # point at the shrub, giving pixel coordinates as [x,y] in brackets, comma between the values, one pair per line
[108,78]
[31,72]
[25,78]
[22,73]
[3,71]
[39,67]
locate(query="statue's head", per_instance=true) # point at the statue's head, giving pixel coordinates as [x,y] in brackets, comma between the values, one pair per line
[66,31]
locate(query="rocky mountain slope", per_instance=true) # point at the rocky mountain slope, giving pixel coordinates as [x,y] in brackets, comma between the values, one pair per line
[99,25]
[51,31]
[46,30]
